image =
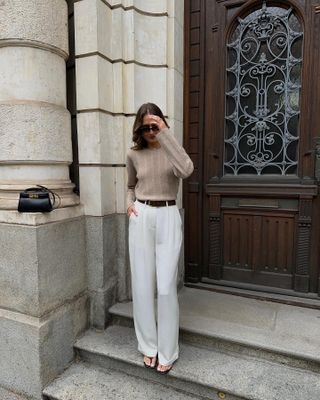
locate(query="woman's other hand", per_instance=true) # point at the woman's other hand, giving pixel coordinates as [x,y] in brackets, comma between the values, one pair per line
[132,210]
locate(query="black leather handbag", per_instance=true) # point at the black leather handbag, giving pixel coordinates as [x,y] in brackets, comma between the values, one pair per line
[37,199]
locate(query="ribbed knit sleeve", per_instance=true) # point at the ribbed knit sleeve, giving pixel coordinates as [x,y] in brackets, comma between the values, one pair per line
[132,181]
[181,162]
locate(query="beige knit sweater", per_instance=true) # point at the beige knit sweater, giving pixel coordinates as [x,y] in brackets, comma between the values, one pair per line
[153,174]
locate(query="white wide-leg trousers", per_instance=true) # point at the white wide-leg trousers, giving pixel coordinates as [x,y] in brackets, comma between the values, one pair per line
[155,237]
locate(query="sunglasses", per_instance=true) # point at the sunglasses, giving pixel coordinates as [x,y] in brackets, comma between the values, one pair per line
[147,128]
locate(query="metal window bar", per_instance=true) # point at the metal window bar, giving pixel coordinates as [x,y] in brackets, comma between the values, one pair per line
[263,94]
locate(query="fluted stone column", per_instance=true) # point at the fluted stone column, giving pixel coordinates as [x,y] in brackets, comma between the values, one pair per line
[35,138]
[43,281]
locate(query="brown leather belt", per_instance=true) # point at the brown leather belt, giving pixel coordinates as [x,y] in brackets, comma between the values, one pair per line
[158,203]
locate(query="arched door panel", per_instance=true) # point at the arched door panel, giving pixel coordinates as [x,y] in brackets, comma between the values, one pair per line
[252,124]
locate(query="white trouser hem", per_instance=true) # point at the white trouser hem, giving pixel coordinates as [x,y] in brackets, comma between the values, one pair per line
[167,363]
[152,353]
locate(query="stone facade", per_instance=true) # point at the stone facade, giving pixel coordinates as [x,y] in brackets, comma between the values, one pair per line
[43,277]
[127,53]
[60,272]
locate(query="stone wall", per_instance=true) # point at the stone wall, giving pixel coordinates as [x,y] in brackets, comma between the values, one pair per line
[127,53]
[43,279]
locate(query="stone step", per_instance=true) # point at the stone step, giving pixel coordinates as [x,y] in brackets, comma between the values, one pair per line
[83,381]
[271,331]
[8,395]
[201,372]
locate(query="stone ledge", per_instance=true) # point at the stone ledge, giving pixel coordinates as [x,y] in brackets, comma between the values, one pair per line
[35,219]
[8,395]
[35,44]
[82,381]
[9,204]
[202,371]
[241,322]
[40,322]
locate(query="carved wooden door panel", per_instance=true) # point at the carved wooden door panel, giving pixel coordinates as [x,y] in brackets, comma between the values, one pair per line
[252,123]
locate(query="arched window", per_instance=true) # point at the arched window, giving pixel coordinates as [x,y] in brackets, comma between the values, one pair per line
[264,59]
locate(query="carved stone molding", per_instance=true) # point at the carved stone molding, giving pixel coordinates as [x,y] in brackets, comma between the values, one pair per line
[34,44]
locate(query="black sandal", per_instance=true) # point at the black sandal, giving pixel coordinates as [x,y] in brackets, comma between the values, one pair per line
[150,366]
[166,371]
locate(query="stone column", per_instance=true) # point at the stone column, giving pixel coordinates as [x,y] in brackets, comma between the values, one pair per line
[127,52]
[43,282]
[35,140]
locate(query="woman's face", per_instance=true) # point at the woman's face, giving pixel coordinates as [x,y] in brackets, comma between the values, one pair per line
[150,136]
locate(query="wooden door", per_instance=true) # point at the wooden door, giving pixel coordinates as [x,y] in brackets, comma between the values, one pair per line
[252,122]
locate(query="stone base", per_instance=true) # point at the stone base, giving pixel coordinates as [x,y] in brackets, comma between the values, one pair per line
[43,298]
[41,266]
[107,263]
[34,351]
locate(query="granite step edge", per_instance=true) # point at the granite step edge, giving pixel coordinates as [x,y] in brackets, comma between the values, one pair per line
[202,370]
[6,394]
[87,381]
[214,340]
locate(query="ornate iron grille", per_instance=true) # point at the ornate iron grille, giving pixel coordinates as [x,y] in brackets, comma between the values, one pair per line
[263,94]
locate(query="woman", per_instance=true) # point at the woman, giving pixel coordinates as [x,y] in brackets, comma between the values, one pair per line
[154,165]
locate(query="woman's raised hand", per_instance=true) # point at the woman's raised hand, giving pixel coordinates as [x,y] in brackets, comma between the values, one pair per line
[158,121]
[132,210]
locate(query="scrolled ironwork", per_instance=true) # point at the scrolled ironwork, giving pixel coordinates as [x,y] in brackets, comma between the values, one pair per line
[263,99]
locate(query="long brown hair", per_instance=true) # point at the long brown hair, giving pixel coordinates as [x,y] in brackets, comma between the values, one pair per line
[137,138]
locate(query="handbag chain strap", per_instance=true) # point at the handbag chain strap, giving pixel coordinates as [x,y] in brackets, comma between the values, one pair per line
[54,195]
